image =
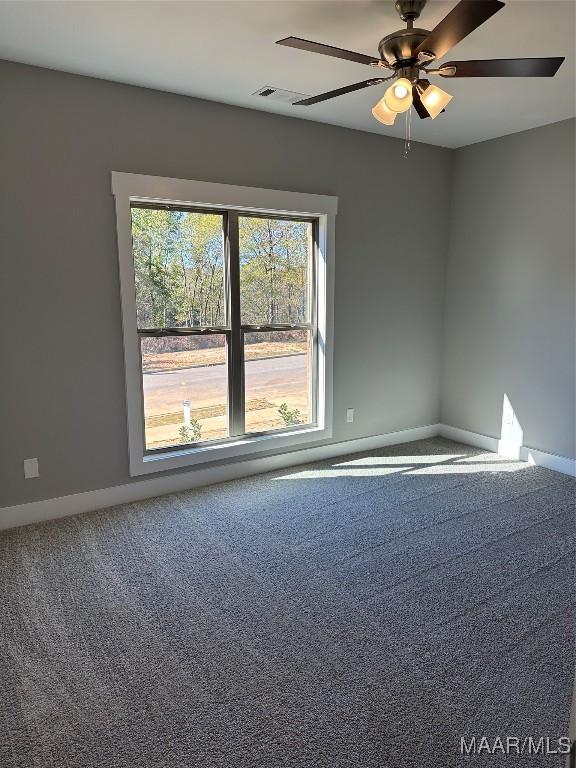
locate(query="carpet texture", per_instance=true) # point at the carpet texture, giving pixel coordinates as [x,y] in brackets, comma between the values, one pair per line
[356,613]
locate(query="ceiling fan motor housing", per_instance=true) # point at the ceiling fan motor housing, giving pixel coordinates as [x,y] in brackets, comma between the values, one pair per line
[399,46]
[410,9]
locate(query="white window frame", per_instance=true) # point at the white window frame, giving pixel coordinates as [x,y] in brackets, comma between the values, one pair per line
[128,188]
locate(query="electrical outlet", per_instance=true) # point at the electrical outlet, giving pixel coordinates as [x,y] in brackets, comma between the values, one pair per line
[350,415]
[31,468]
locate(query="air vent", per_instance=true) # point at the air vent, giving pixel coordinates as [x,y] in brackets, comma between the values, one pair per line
[279,94]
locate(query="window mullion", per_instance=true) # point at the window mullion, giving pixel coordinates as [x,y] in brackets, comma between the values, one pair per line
[271,327]
[216,330]
[236,353]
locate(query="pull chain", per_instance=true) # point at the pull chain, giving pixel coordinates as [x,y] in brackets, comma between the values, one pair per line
[407,135]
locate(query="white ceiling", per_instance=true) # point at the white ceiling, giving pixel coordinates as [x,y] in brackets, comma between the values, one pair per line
[225,50]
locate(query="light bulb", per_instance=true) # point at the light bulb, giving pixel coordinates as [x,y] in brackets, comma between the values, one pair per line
[398,97]
[383,114]
[434,100]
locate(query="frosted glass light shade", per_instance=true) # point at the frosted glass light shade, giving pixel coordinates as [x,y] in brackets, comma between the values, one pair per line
[398,97]
[383,114]
[435,99]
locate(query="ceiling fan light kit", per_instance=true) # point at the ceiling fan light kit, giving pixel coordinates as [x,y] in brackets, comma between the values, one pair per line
[408,53]
[434,100]
[398,97]
[383,114]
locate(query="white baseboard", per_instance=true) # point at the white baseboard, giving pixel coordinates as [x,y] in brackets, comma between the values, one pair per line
[49,509]
[549,460]
[523,453]
[468,438]
[63,506]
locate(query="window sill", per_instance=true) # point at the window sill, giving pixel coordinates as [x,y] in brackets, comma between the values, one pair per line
[235,449]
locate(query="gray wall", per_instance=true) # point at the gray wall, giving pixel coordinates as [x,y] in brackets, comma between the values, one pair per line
[509,313]
[62,379]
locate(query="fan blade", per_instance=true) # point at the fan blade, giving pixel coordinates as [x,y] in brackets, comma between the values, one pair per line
[504,68]
[339,92]
[327,50]
[421,110]
[463,19]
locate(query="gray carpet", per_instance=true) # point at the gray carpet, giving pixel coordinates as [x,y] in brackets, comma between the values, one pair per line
[366,611]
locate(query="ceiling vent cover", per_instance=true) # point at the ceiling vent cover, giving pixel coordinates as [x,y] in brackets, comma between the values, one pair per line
[279,94]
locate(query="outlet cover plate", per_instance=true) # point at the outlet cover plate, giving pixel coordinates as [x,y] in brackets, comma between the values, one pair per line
[31,468]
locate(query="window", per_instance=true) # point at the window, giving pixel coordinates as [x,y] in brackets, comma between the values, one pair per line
[226,315]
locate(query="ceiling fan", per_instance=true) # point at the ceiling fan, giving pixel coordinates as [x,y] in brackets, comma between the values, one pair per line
[410,52]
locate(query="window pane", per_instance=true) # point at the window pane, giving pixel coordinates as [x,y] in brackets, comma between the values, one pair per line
[277,379]
[275,258]
[179,268]
[184,381]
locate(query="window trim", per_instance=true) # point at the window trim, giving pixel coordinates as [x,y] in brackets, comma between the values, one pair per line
[130,188]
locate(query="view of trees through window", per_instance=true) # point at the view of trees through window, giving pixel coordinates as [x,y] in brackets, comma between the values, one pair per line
[181,282]
[179,268]
[274,266]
